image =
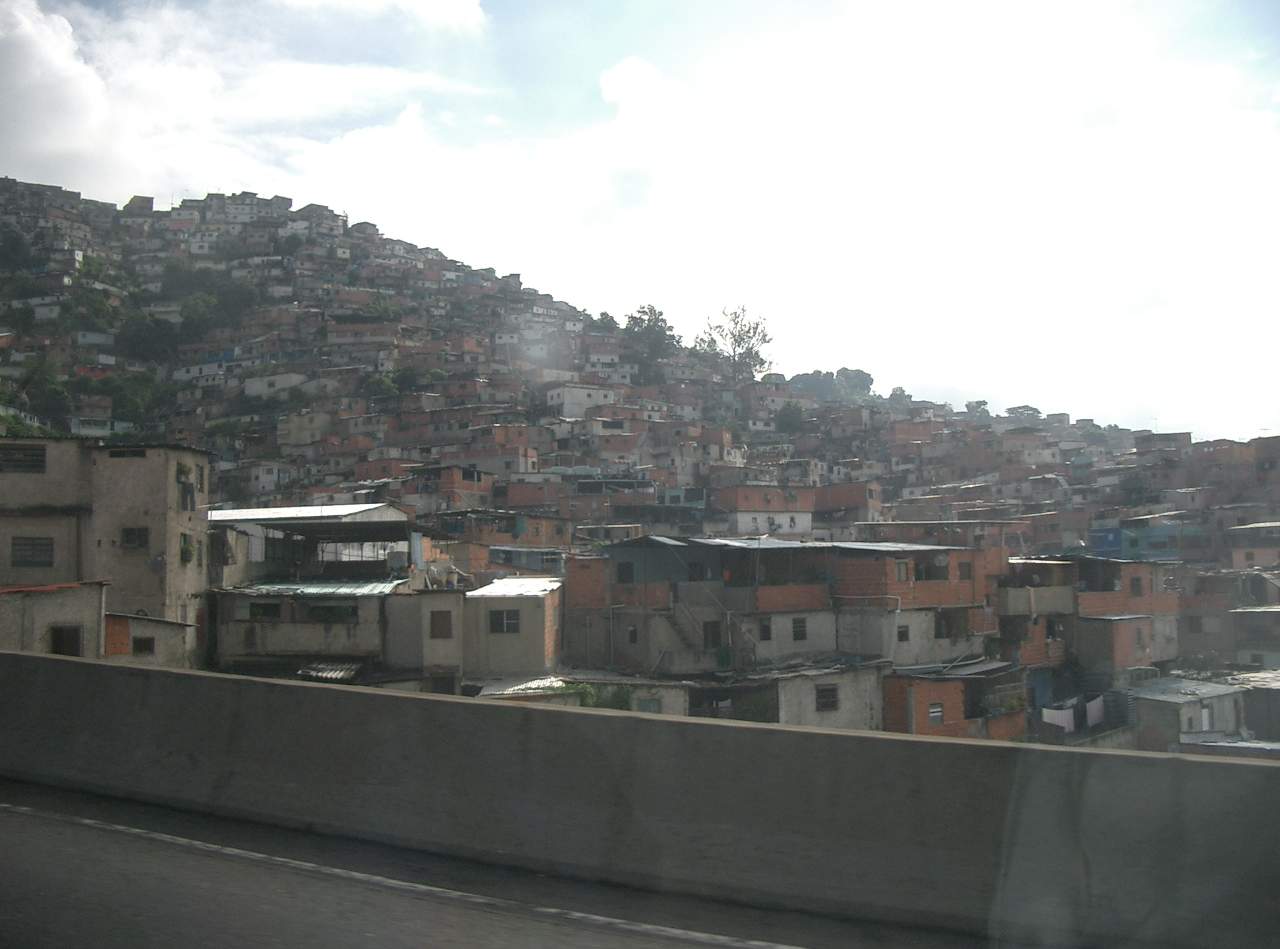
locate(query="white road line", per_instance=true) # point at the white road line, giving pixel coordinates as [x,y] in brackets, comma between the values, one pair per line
[421,889]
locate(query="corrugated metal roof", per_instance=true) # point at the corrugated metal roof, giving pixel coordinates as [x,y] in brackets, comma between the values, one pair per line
[330,671]
[890,548]
[518,586]
[975,668]
[1273,608]
[321,588]
[1182,690]
[1245,527]
[313,511]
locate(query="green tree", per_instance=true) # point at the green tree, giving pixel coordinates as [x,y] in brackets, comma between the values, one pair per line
[149,339]
[378,386]
[15,250]
[856,381]
[606,322]
[977,409]
[790,418]
[647,340]
[405,379]
[45,395]
[740,339]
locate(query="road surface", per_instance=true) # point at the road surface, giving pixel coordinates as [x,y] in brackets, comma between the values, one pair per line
[79,870]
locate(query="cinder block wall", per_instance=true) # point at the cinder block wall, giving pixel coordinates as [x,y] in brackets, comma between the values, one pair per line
[1021,842]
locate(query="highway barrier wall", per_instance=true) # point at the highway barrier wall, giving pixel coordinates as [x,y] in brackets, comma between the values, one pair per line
[1023,842]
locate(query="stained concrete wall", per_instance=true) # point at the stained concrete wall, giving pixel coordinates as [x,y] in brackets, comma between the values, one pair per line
[1022,842]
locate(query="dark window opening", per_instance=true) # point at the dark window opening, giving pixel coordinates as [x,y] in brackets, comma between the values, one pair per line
[1135,586]
[65,641]
[264,611]
[22,459]
[711,634]
[904,634]
[144,645]
[799,629]
[31,552]
[135,538]
[504,621]
[442,685]
[626,572]
[827,698]
[766,631]
[966,570]
[333,613]
[441,624]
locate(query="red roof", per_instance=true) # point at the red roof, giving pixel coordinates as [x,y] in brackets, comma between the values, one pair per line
[50,587]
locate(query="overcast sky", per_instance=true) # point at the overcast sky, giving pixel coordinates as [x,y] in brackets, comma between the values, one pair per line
[1072,204]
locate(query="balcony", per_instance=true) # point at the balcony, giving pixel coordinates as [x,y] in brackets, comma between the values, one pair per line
[1028,601]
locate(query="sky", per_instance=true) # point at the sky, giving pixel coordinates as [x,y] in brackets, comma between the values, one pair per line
[1074,205]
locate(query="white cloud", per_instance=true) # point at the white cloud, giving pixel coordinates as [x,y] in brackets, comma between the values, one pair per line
[1002,201]
[462,16]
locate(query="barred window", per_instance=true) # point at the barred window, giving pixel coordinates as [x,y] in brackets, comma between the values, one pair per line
[31,552]
[22,459]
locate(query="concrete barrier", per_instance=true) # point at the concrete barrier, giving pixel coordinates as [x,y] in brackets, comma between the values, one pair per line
[1024,843]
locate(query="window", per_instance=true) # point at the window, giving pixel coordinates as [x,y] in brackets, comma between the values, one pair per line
[799,628]
[22,459]
[199,477]
[144,645]
[1135,586]
[711,634]
[827,698]
[199,553]
[766,631]
[633,635]
[135,538]
[64,640]
[904,634]
[31,552]
[264,611]
[127,453]
[333,613]
[626,572]
[966,570]
[441,624]
[187,548]
[935,713]
[504,621]
[902,573]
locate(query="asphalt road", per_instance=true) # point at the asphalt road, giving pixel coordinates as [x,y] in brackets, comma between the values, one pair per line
[78,870]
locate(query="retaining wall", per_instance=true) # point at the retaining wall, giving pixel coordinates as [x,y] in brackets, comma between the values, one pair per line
[1022,842]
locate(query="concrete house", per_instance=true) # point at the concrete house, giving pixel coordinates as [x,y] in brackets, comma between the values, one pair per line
[131,514]
[1172,711]
[339,593]
[62,619]
[512,627]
